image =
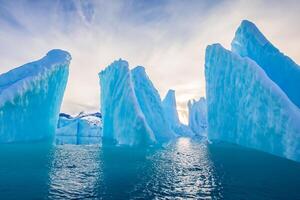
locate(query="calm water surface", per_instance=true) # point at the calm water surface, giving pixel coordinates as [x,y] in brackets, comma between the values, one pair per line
[184,169]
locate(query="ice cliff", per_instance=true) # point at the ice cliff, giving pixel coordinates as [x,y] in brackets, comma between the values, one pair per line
[122,117]
[198,116]
[250,42]
[246,107]
[31,96]
[131,107]
[151,105]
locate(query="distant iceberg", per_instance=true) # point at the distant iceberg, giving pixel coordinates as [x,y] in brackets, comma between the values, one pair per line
[171,114]
[31,96]
[198,116]
[83,129]
[247,108]
[250,42]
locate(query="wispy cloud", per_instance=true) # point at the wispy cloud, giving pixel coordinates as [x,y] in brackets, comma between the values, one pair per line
[167,37]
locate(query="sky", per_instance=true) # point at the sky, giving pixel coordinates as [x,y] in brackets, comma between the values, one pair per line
[167,37]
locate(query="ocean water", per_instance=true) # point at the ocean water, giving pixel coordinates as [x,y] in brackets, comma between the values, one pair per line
[183,169]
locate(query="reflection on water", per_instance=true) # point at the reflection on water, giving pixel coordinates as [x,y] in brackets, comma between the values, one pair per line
[184,169]
[194,171]
[74,172]
[181,169]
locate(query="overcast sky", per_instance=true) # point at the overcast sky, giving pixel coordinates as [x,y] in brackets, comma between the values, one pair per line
[167,37]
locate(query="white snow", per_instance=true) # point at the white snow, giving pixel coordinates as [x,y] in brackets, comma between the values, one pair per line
[82,129]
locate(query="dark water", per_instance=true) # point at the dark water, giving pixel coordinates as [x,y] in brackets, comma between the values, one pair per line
[184,169]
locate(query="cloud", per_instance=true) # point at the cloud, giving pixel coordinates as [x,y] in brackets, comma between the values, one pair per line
[167,37]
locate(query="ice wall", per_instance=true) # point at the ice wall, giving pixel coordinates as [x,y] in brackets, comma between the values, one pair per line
[170,108]
[31,96]
[150,104]
[122,116]
[247,108]
[171,114]
[250,42]
[198,116]
[83,129]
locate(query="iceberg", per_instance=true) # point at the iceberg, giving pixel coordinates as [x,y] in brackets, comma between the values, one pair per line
[171,114]
[248,108]
[31,96]
[170,108]
[250,42]
[131,107]
[198,116]
[89,130]
[66,132]
[83,129]
[124,123]
[151,105]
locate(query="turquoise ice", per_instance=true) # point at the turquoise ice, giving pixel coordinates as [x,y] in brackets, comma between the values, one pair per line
[247,108]
[122,117]
[250,42]
[31,96]
[131,107]
[198,116]
[150,104]
[171,114]
[83,129]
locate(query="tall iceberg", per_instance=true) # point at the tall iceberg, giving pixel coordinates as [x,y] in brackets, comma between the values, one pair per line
[247,108]
[150,104]
[31,96]
[131,107]
[250,42]
[122,116]
[171,114]
[198,116]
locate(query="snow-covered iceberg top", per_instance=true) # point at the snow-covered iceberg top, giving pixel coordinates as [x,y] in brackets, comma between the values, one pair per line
[81,129]
[31,96]
[19,80]
[250,42]
[246,107]
[93,119]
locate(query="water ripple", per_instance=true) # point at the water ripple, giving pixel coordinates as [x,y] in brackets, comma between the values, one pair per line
[180,170]
[185,169]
